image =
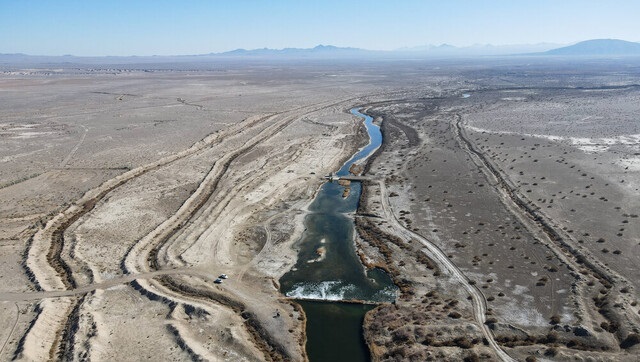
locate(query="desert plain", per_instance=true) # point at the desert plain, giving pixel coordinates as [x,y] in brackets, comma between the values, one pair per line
[503,203]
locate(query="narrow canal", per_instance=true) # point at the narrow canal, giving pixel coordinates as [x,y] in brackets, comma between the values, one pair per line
[329,272]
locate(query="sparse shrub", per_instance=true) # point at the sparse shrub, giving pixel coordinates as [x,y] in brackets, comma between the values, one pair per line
[401,335]
[581,332]
[609,327]
[463,342]
[552,351]
[472,358]
[631,340]
[397,354]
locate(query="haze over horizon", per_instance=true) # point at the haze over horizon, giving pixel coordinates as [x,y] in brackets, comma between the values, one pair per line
[145,27]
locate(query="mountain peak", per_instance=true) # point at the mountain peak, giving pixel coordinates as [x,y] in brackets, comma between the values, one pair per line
[599,47]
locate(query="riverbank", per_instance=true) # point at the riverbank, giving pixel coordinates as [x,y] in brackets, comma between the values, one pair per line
[432,305]
[476,194]
[125,193]
[328,268]
[229,203]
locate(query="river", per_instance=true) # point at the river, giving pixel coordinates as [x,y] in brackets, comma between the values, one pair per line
[329,272]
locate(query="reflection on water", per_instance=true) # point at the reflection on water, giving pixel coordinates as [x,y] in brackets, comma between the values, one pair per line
[329,269]
[338,327]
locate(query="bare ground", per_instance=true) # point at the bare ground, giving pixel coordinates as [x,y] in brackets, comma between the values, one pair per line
[508,218]
[493,184]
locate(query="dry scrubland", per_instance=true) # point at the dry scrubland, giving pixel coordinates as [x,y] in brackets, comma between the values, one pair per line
[504,203]
[531,189]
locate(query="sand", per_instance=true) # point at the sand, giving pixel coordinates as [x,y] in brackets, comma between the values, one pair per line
[505,206]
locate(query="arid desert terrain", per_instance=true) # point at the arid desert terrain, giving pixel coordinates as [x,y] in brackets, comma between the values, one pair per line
[503,203]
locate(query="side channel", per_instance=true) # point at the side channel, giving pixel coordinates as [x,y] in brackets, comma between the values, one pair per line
[329,276]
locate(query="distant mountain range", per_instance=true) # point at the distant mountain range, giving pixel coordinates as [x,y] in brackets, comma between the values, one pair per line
[443,50]
[596,47]
[480,49]
[320,50]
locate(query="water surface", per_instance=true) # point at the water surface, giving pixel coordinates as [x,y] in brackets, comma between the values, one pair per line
[328,269]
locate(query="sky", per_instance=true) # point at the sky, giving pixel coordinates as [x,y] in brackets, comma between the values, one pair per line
[179,27]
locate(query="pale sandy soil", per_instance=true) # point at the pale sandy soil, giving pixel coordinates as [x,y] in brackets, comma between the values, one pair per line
[109,178]
[123,195]
[457,168]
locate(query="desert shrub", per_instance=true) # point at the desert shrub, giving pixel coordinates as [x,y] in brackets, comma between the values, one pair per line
[581,332]
[552,337]
[609,327]
[401,335]
[631,340]
[552,351]
[530,359]
[471,358]
[555,319]
[463,342]
[491,321]
[455,315]
[397,354]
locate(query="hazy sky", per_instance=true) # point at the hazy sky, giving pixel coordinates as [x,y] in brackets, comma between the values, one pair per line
[146,27]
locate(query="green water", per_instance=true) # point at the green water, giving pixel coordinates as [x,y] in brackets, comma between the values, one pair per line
[329,325]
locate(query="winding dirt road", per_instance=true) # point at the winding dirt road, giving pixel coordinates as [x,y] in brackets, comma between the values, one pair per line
[446,265]
[57,290]
[25,297]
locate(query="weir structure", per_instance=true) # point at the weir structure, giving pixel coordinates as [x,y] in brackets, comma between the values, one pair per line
[333,177]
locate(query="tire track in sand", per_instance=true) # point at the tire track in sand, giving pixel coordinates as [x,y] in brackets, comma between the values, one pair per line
[43,261]
[52,273]
[142,256]
[564,247]
[445,264]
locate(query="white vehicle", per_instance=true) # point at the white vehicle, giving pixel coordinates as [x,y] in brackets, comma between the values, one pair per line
[218,281]
[223,276]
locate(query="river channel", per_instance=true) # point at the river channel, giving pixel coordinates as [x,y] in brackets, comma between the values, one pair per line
[329,273]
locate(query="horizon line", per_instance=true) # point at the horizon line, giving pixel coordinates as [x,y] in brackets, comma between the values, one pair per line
[410,49]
